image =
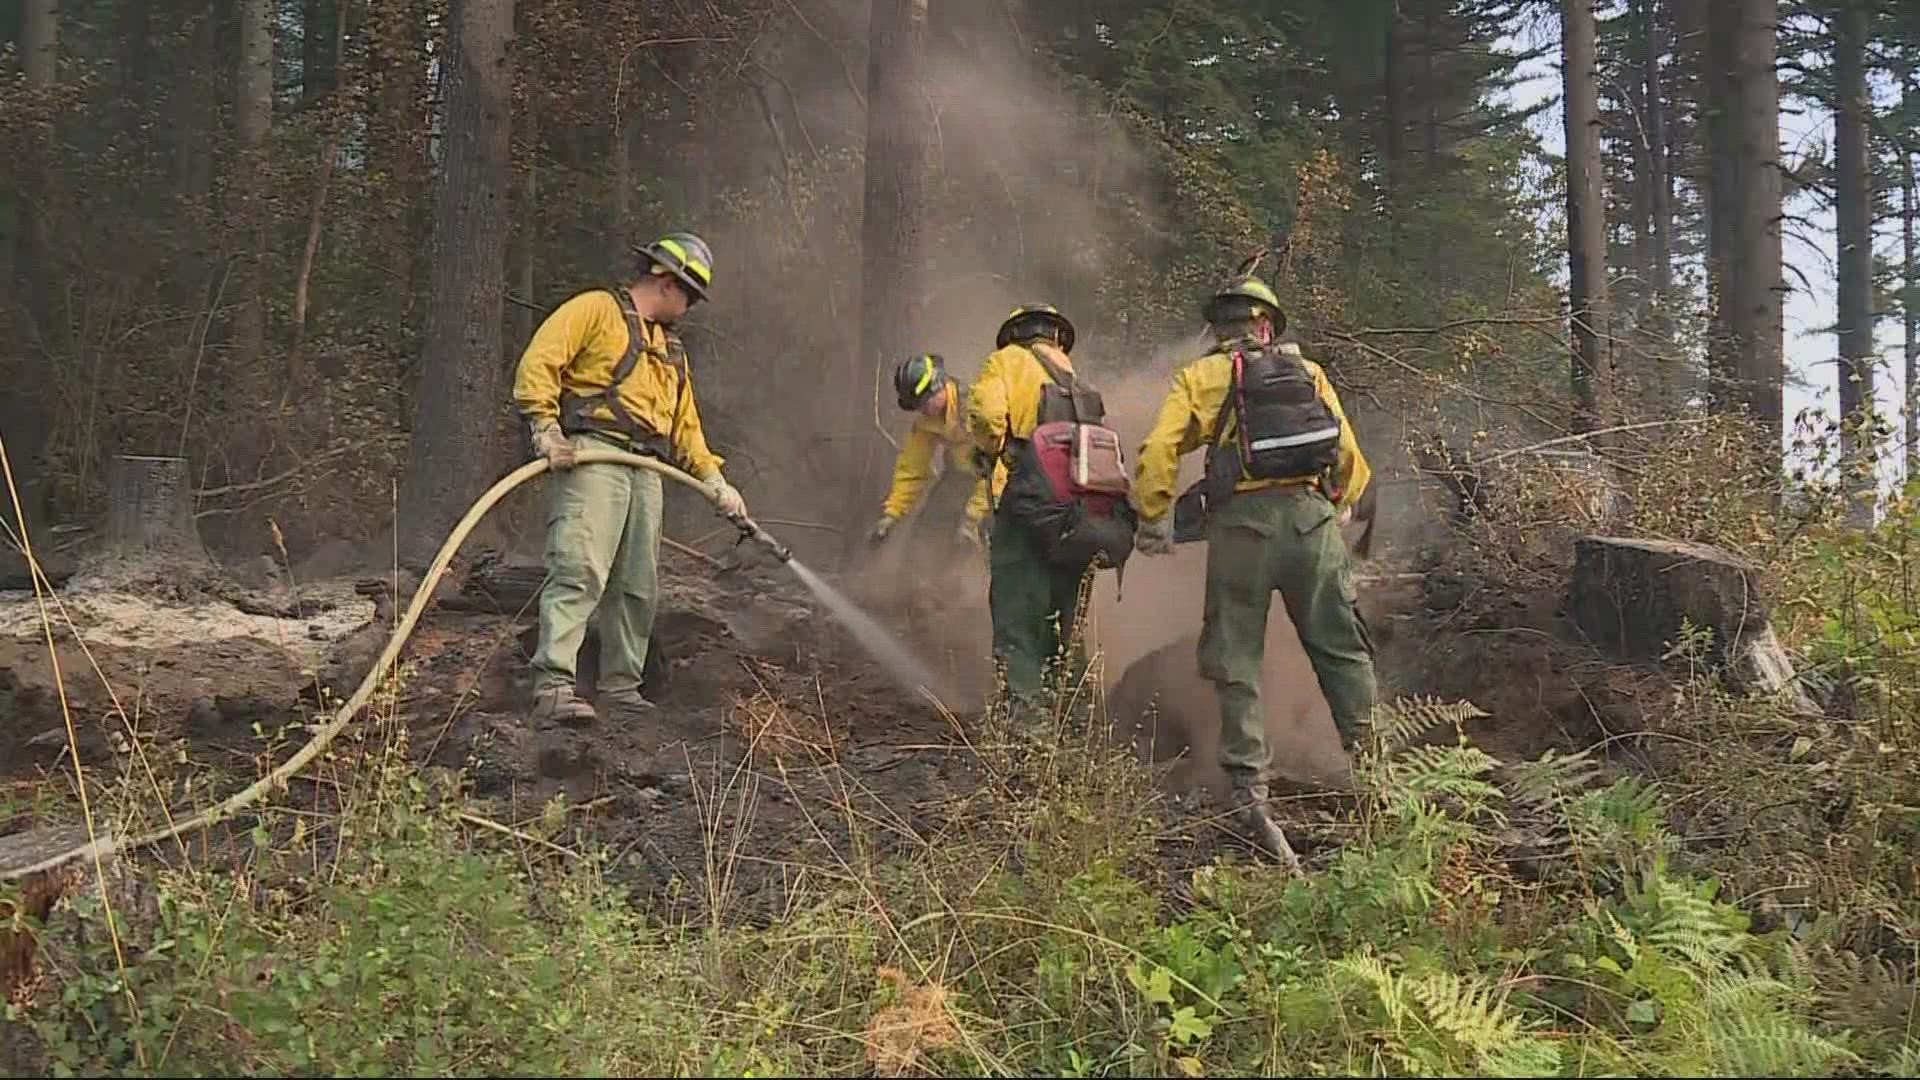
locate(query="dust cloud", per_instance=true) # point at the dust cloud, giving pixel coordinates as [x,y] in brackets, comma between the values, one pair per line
[1022,184]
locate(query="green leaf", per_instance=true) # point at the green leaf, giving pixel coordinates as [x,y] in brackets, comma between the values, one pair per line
[1186,1027]
[1643,1012]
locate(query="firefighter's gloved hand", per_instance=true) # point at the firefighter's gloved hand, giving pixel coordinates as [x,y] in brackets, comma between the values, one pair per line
[968,533]
[551,443]
[1155,537]
[881,528]
[726,499]
[1344,515]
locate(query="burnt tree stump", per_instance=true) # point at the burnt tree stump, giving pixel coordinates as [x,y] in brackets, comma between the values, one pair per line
[150,506]
[1633,597]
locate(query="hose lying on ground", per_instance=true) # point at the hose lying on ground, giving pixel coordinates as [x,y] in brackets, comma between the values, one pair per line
[105,846]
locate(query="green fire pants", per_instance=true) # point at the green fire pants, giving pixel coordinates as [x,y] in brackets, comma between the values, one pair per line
[1033,604]
[1283,539]
[603,551]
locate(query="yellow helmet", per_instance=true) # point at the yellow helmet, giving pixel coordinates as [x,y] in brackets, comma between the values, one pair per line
[1238,300]
[1029,321]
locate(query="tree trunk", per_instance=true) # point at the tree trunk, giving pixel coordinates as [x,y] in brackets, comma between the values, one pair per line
[1853,221]
[150,506]
[1396,114]
[462,369]
[1586,223]
[253,119]
[895,207]
[1722,175]
[1910,294]
[1758,318]
[319,60]
[39,59]
[1658,172]
[396,37]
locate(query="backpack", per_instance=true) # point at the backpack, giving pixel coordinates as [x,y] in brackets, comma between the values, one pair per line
[1284,430]
[1068,483]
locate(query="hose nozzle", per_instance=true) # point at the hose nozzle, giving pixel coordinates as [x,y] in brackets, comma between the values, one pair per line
[751,530]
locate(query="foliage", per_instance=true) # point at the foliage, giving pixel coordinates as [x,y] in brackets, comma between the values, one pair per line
[1416,951]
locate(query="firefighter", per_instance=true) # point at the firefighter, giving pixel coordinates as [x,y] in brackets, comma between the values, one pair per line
[606,371]
[1270,506]
[957,501]
[1036,567]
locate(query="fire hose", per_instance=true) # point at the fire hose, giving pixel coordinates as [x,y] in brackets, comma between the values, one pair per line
[104,847]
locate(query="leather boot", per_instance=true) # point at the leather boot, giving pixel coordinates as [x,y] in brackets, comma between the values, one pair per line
[625,702]
[557,703]
[1257,824]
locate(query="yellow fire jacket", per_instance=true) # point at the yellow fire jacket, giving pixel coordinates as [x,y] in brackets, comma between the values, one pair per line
[576,349]
[1004,402]
[1185,423]
[913,467]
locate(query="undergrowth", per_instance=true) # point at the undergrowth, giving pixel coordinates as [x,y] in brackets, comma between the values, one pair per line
[1026,943]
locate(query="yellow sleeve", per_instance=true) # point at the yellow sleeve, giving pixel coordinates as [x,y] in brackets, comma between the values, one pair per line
[1351,473]
[561,336]
[691,445]
[911,471]
[987,407]
[1179,428]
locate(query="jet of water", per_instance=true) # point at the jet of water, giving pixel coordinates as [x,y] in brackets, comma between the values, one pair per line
[876,639]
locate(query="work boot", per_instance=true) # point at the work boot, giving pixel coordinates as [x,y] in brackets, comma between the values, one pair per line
[557,703]
[1258,826]
[625,702]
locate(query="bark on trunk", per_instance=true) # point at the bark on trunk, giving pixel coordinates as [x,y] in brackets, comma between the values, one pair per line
[39,59]
[462,368]
[893,215]
[150,506]
[1586,224]
[1853,221]
[253,119]
[319,57]
[1754,299]
[1722,174]
[1658,171]
[1910,301]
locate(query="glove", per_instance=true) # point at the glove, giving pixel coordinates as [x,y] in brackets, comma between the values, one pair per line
[881,528]
[968,533]
[551,443]
[1155,537]
[726,499]
[1344,515]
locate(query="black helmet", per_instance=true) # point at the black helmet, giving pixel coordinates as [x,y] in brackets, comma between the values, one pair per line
[1240,299]
[1029,321]
[685,256]
[918,378]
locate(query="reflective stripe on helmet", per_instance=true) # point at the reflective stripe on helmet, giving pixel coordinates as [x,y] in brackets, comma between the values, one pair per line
[700,269]
[926,380]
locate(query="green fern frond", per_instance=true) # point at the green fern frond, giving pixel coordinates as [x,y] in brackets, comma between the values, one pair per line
[1468,1010]
[1688,926]
[1626,816]
[1744,1042]
[1866,994]
[1526,1056]
[1372,971]
[1397,723]
[1551,778]
[1447,770]
[1906,1060]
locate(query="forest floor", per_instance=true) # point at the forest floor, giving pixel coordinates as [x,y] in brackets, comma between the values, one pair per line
[792,866]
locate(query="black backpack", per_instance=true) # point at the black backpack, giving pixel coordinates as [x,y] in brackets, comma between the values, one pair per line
[1283,429]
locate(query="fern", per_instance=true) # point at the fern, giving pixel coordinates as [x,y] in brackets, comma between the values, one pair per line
[1750,1033]
[1467,1010]
[1551,779]
[1622,819]
[1448,770]
[1399,722]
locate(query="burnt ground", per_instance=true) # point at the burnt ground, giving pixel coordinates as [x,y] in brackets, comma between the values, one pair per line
[774,740]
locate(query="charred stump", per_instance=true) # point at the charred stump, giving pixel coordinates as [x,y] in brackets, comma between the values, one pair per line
[1635,599]
[150,507]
